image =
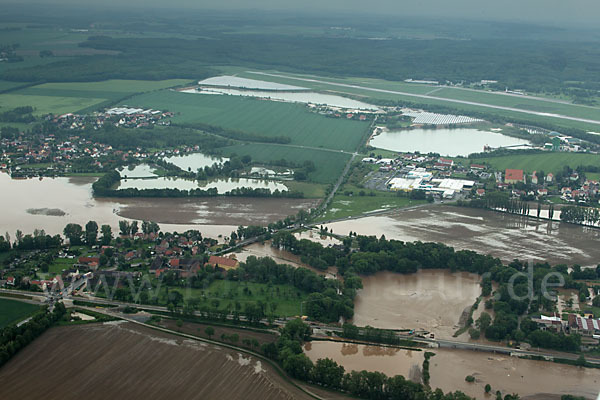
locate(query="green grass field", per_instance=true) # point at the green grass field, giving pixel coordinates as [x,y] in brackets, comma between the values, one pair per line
[259,117]
[343,206]
[46,104]
[329,164]
[228,292]
[310,190]
[60,98]
[450,94]
[547,162]
[59,265]
[12,311]
[115,85]
[595,176]
[6,85]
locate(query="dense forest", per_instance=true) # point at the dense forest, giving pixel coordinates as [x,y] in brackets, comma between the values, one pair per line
[538,66]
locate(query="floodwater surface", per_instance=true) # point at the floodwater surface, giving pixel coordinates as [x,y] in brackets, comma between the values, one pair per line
[448,369]
[428,300]
[358,357]
[501,235]
[71,200]
[293,97]
[193,162]
[265,249]
[235,81]
[446,142]
[222,185]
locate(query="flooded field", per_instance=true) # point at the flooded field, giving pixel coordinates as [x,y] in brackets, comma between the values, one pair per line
[449,368]
[501,235]
[124,361]
[430,300]
[192,162]
[222,185]
[389,360]
[50,204]
[293,97]
[314,236]
[446,142]
[138,171]
[280,256]
[234,81]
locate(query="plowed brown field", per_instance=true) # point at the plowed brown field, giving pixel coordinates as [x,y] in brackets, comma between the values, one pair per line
[125,361]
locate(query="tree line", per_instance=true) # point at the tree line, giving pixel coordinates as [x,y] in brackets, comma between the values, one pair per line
[14,338]
[326,372]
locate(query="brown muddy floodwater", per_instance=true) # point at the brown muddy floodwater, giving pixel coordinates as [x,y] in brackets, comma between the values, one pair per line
[281,257]
[71,200]
[430,300]
[358,357]
[448,369]
[501,235]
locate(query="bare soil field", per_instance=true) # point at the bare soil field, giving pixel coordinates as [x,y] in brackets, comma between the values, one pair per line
[125,361]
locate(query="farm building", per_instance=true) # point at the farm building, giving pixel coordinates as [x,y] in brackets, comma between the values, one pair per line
[584,326]
[513,176]
[222,262]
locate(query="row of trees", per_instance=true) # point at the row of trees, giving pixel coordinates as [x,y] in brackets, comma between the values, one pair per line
[580,215]
[104,187]
[13,338]
[39,240]
[328,373]
[19,114]
[77,235]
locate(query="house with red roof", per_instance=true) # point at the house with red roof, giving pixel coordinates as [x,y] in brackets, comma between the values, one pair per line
[512,176]
[446,161]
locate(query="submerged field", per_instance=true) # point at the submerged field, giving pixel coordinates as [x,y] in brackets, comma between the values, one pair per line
[258,117]
[126,361]
[12,311]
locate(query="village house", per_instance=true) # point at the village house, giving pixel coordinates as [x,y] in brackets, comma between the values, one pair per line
[91,262]
[534,178]
[513,176]
[222,262]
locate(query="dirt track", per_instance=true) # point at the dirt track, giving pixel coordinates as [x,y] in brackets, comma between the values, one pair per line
[123,361]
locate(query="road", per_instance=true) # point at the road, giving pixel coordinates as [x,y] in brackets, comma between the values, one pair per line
[443,343]
[337,185]
[429,97]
